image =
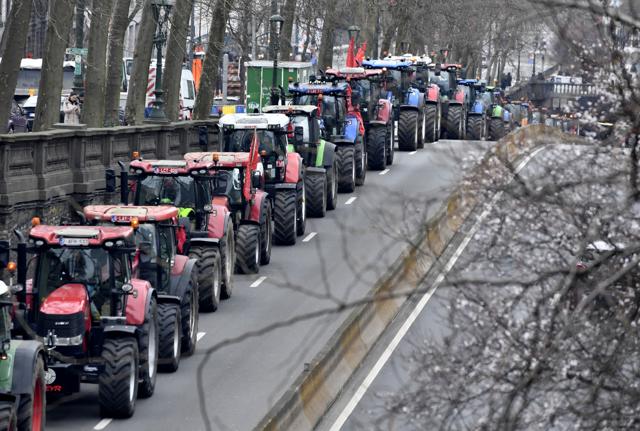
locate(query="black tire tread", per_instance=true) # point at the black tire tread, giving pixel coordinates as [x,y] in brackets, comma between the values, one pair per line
[189,341]
[332,177]
[206,274]
[25,407]
[474,127]
[168,319]
[247,239]
[316,195]
[346,162]
[496,129]
[284,217]
[454,116]
[431,134]
[407,124]
[113,387]
[376,148]
[8,419]
[147,384]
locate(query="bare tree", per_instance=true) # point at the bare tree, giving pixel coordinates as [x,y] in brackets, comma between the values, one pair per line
[288,11]
[50,89]
[115,51]
[16,39]
[176,54]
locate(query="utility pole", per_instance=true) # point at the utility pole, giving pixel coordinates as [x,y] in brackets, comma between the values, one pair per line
[192,43]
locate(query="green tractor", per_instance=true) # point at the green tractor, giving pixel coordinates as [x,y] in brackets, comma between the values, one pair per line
[23,377]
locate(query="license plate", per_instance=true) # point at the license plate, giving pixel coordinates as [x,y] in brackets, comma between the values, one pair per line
[73,241]
[120,219]
[164,170]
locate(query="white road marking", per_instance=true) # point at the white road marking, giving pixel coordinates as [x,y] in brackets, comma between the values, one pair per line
[102,424]
[413,152]
[382,360]
[385,172]
[199,335]
[258,281]
[309,237]
[351,200]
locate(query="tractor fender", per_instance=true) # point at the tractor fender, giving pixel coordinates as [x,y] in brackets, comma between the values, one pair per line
[342,142]
[217,220]
[293,174]
[351,127]
[328,154]
[385,111]
[138,302]
[26,354]
[377,123]
[180,280]
[169,299]
[256,206]
[115,331]
[409,108]
[315,171]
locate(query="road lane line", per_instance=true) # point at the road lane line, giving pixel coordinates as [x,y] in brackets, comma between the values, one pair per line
[102,424]
[199,335]
[385,172]
[382,360]
[258,281]
[413,152]
[351,200]
[310,237]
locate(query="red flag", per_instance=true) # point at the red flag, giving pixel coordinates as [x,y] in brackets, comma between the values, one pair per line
[251,166]
[360,54]
[351,61]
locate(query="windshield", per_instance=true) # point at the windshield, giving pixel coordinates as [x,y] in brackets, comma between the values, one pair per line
[172,190]
[240,141]
[228,183]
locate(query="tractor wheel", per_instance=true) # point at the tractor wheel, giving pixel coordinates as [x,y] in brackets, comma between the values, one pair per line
[454,122]
[228,261]
[408,131]
[422,132]
[149,340]
[390,142]
[118,382]
[301,209]
[346,169]
[496,129]
[31,411]
[208,265]
[189,316]
[8,419]
[316,195]
[361,161]
[431,123]
[285,217]
[170,344]
[332,186]
[248,249]
[376,149]
[474,128]
[266,232]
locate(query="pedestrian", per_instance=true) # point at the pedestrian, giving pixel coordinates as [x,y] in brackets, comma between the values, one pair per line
[71,109]
[509,79]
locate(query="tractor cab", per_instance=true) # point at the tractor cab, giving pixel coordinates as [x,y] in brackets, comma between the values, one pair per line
[303,129]
[401,77]
[445,76]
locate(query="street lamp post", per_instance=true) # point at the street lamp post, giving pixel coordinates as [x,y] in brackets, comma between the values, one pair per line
[161,10]
[78,76]
[275,20]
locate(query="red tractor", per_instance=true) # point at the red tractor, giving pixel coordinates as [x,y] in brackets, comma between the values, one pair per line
[369,97]
[236,182]
[173,276]
[99,321]
[210,230]
[453,99]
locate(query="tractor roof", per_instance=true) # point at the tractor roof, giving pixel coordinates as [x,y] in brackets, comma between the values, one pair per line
[354,72]
[388,64]
[166,167]
[291,109]
[87,236]
[469,82]
[254,121]
[224,160]
[328,88]
[124,214]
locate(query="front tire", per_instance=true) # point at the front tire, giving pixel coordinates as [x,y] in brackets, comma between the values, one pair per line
[189,316]
[266,232]
[285,217]
[118,383]
[376,148]
[454,122]
[316,194]
[361,161]
[170,344]
[31,411]
[346,169]
[227,261]
[474,127]
[208,266]
[431,127]
[332,186]
[248,249]
[391,143]
[149,341]
[301,225]
[496,129]
[8,418]
[408,131]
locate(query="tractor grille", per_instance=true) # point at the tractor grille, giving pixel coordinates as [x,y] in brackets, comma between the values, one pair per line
[64,325]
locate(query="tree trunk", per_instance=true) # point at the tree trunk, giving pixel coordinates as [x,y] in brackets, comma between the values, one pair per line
[176,53]
[287,30]
[387,37]
[16,39]
[60,15]
[325,58]
[115,51]
[137,95]
[210,69]
[96,76]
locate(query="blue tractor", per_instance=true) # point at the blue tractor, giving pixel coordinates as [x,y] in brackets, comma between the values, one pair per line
[477,106]
[408,101]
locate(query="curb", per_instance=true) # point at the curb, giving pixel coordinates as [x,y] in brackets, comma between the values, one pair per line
[303,405]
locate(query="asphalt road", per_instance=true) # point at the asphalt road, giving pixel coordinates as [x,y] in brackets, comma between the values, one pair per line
[388,369]
[341,258]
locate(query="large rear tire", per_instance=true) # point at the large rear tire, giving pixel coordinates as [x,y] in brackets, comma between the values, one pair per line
[248,249]
[118,382]
[474,127]
[431,123]
[189,316]
[454,122]
[346,169]
[332,186]
[316,194]
[408,130]
[377,148]
[266,232]
[285,217]
[8,418]
[227,261]
[208,265]
[32,408]
[170,344]
[496,129]
[361,161]
[149,340]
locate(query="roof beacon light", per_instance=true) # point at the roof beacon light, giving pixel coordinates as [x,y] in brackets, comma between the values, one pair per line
[135,223]
[35,221]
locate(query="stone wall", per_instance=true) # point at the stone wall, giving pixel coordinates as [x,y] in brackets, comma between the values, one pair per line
[51,174]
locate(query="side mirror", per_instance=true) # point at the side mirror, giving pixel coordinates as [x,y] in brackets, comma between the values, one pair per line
[298,136]
[127,288]
[256,180]
[110,180]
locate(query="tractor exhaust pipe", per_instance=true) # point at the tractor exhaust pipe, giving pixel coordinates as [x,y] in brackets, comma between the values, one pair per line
[124,183]
[21,250]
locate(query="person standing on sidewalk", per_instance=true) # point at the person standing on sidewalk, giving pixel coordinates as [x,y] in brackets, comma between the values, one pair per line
[71,109]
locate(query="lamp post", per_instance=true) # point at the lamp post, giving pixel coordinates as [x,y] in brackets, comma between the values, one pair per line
[276,23]
[78,76]
[161,10]
[536,45]
[353,31]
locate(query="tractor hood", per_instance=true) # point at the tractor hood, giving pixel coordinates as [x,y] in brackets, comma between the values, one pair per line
[66,299]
